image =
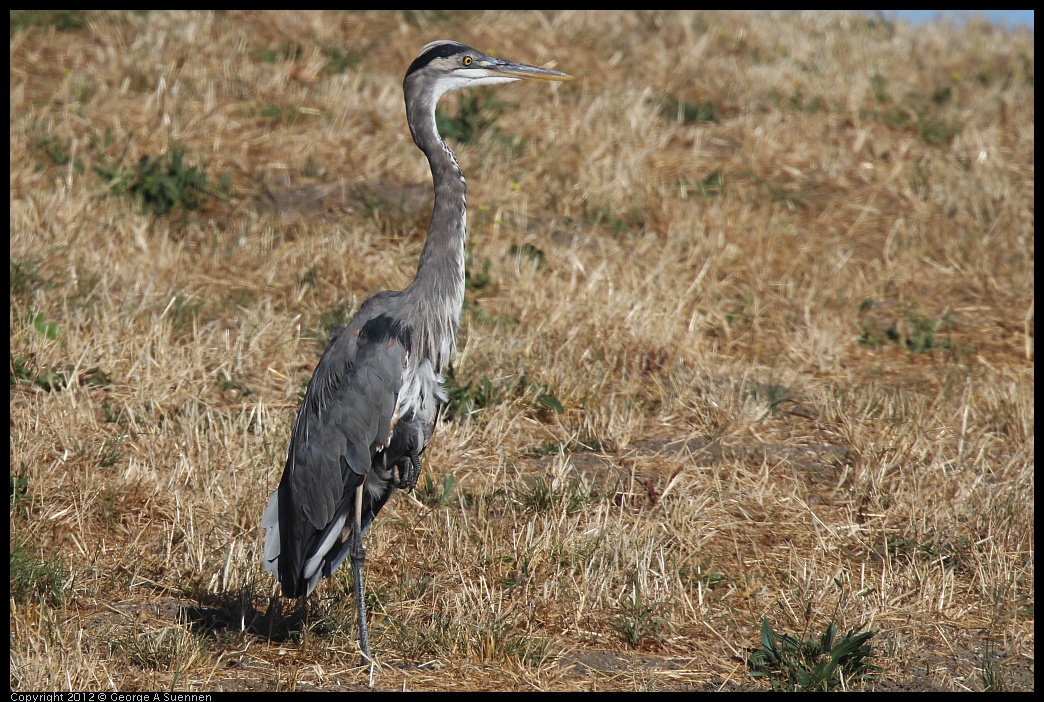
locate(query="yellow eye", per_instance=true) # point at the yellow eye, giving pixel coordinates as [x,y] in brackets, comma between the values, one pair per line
[467,61]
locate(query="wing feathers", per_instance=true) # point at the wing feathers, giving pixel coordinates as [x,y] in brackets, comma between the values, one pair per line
[348,415]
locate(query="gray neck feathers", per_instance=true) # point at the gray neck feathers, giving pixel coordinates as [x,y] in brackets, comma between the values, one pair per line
[436,296]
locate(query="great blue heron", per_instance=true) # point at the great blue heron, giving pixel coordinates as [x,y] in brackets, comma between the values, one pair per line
[373,400]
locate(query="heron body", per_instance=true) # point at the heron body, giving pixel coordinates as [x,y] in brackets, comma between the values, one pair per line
[373,400]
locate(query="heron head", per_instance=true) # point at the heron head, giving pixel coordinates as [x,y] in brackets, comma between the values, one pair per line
[448,65]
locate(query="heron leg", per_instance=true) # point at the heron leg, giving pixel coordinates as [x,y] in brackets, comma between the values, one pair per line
[409,473]
[302,605]
[358,554]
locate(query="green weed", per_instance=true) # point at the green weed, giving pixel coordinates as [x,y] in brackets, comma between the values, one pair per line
[432,495]
[281,115]
[159,649]
[565,447]
[35,579]
[675,110]
[528,251]
[504,641]
[476,282]
[942,94]
[48,329]
[339,60]
[544,397]
[711,185]
[466,124]
[797,101]
[879,88]
[477,114]
[912,332]
[272,54]
[333,319]
[112,415]
[230,385]
[638,621]
[26,279]
[793,665]
[467,400]
[545,494]
[931,128]
[47,378]
[55,150]
[185,311]
[606,217]
[62,20]
[163,183]
[537,497]
[708,579]
[110,452]
[95,377]
[771,393]
[20,486]
[992,674]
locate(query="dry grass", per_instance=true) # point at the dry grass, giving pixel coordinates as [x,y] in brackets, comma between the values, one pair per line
[749,335]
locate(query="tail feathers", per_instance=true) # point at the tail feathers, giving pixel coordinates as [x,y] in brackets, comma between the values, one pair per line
[322,561]
[330,540]
[270,521]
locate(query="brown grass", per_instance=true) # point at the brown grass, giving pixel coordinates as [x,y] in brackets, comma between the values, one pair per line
[784,291]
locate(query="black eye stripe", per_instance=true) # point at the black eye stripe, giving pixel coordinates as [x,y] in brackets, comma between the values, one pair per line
[440,51]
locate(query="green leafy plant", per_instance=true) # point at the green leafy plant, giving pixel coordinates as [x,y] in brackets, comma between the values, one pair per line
[431,494]
[992,675]
[792,664]
[686,112]
[20,485]
[476,282]
[913,332]
[919,116]
[62,20]
[797,101]
[33,578]
[110,451]
[476,114]
[271,54]
[552,447]
[162,183]
[466,400]
[55,150]
[45,327]
[339,59]
[528,251]
[711,185]
[47,378]
[26,278]
[545,397]
[545,493]
[333,319]
[638,620]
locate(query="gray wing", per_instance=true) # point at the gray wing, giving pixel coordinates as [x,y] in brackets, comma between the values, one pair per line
[347,416]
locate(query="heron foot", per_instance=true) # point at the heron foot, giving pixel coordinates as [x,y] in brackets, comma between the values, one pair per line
[409,473]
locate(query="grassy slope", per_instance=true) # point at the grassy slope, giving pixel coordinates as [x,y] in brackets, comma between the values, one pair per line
[776,269]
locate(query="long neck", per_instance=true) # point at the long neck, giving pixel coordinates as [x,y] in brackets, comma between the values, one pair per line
[437,293]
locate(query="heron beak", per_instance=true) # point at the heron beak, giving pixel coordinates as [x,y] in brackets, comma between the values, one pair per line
[509,69]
